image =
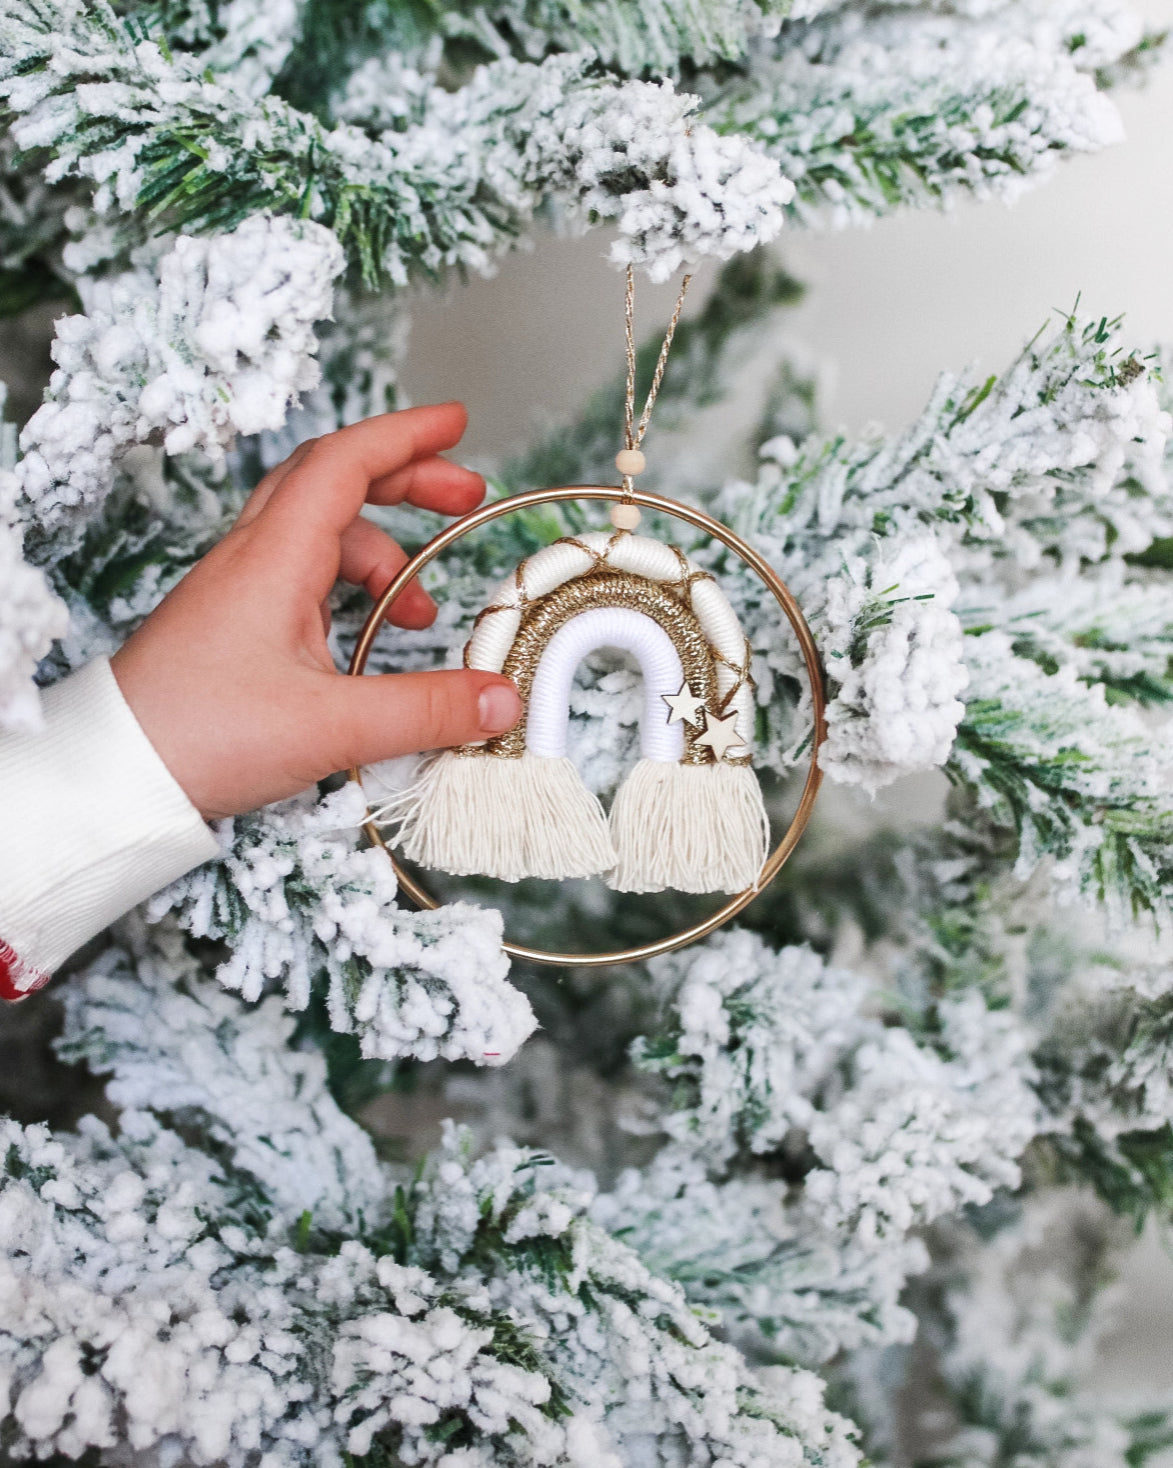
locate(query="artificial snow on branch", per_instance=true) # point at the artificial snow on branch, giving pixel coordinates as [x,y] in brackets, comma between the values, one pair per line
[175,1044]
[1080,780]
[299,902]
[470,1314]
[154,134]
[1018,1319]
[779,1282]
[767,1046]
[633,36]
[776,1068]
[896,545]
[30,615]
[216,339]
[924,103]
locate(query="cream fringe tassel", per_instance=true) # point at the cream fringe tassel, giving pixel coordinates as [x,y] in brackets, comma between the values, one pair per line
[693,828]
[491,816]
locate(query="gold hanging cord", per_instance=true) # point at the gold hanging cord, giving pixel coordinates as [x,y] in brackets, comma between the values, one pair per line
[633,432]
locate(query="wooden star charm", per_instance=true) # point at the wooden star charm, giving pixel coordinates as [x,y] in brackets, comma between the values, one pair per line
[684,706]
[720,734]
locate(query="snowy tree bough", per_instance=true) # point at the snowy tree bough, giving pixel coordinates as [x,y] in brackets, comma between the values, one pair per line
[774,584]
[925,1097]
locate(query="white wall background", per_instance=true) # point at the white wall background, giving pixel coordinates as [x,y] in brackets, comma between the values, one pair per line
[889,307]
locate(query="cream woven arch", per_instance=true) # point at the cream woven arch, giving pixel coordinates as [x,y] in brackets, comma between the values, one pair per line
[564,560]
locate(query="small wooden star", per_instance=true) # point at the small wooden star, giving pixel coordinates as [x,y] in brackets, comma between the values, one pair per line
[720,734]
[684,705]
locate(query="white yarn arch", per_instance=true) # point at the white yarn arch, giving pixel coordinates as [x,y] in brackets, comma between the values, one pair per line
[620,627]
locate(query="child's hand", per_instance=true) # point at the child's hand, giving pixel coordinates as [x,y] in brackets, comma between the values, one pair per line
[231,677]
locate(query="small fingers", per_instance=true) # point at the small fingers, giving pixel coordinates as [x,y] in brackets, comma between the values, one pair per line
[392,714]
[370,558]
[325,491]
[430,484]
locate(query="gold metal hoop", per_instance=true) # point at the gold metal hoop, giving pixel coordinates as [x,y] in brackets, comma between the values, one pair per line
[697,518]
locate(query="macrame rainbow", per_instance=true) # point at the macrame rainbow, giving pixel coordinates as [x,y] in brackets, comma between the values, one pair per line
[690,814]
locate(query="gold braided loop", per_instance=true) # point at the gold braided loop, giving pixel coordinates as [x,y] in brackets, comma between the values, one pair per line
[689,575]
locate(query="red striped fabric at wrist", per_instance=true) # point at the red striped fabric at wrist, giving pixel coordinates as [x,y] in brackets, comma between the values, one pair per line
[18,979]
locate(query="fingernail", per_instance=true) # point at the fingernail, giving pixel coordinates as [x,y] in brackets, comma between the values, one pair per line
[499,708]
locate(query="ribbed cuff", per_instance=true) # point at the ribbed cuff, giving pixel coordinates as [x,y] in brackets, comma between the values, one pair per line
[92,823]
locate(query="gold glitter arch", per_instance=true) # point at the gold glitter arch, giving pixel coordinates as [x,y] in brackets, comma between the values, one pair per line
[545,615]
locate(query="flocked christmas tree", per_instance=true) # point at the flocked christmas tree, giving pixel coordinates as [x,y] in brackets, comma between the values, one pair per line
[742,1179]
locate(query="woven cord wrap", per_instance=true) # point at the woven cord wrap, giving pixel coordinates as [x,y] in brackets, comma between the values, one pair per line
[664,614]
[602,550]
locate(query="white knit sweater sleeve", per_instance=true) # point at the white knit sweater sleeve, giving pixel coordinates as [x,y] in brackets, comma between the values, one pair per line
[93,823]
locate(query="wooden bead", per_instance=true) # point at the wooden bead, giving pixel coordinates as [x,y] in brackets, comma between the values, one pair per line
[625,517]
[630,461]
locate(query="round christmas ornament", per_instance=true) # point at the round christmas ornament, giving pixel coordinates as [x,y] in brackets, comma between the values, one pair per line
[690,814]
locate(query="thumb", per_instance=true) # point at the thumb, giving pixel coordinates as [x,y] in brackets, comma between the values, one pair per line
[400,713]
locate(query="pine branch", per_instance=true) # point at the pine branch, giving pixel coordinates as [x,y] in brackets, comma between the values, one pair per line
[218,345]
[656,38]
[297,900]
[1112,631]
[340,1309]
[1072,431]
[765,1045]
[1015,1313]
[184,150]
[250,43]
[782,1286]
[630,37]
[1079,780]
[31,616]
[1058,463]
[32,231]
[919,107]
[946,919]
[233,1079]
